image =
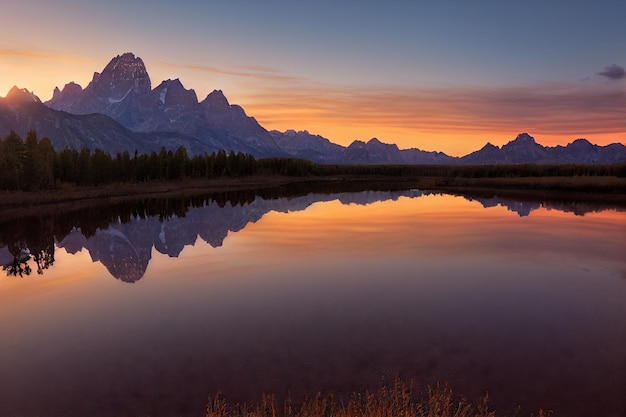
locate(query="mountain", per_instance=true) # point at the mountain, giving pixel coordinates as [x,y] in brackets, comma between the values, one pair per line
[376,152]
[307,146]
[231,120]
[524,150]
[22,111]
[120,111]
[321,150]
[123,92]
[582,151]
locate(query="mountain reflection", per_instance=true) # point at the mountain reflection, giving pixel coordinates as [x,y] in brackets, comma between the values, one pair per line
[525,208]
[122,236]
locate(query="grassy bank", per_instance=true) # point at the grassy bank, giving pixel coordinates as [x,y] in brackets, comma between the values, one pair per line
[593,188]
[606,189]
[397,400]
[135,190]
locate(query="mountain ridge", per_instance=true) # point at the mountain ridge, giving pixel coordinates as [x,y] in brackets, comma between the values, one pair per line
[120,111]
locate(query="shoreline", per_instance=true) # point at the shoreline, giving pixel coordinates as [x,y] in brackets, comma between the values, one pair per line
[588,188]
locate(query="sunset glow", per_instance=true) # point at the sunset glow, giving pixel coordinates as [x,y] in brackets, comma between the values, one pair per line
[436,77]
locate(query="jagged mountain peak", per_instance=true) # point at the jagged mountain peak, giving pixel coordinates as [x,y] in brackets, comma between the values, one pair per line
[175,83]
[116,91]
[124,74]
[21,95]
[375,142]
[582,143]
[71,92]
[524,138]
[70,87]
[126,63]
[216,100]
[170,115]
[172,92]
[357,144]
[526,145]
[489,146]
[122,69]
[488,154]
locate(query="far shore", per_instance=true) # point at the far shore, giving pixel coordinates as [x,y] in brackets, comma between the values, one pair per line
[606,189]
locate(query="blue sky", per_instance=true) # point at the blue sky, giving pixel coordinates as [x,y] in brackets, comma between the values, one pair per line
[317,65]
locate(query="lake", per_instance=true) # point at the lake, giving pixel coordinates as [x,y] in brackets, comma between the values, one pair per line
[149,308]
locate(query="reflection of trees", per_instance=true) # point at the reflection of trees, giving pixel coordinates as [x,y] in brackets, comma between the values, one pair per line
[43,257]
[31,240]
[19,265]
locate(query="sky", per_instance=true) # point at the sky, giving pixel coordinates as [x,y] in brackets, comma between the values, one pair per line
[440,75]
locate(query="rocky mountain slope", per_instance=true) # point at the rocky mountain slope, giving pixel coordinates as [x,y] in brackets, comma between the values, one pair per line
[21,111]
[123,92]
[120,111]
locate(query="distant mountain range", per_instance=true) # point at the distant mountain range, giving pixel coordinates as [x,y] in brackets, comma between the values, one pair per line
[120,111]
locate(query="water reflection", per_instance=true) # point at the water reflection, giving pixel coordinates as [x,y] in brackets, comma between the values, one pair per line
[521,299]
[525,208]
[122,236]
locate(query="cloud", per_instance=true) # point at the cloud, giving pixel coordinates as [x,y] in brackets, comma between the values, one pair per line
[25,55]
[249,71]
[29,54]
[547,109]
[613,72]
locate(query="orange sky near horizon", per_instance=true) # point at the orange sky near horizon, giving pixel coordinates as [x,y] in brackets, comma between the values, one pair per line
[439,77]
[455,120]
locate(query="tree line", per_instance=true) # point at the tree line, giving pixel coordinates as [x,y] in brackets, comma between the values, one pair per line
[32,164]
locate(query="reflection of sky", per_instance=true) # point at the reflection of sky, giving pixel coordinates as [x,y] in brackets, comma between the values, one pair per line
[437,227]
[333,297]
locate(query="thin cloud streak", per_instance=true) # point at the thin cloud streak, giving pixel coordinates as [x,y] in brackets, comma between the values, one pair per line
[35,53]
[250,71]
[27,54]
[557,110]
[260,68]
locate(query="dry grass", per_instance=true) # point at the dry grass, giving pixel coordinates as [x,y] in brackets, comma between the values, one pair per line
[609,189]
[131,191]
[579,188]
[396,400]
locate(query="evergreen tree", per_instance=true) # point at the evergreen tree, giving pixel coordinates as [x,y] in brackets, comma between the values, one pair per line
[12,160]
[45,163]
[31,174]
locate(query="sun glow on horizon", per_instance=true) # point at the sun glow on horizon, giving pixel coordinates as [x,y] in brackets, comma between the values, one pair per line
[456,120]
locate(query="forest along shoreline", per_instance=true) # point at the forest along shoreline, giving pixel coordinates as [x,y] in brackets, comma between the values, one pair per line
[601,189]
[33,173]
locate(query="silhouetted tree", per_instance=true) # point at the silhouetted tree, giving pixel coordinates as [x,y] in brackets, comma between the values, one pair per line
[19,265]
[45,163]
[12,159]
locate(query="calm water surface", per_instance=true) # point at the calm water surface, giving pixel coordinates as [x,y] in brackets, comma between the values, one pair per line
[143,313]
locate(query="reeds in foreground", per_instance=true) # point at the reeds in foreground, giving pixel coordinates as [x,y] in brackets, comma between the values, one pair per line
[396,400]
